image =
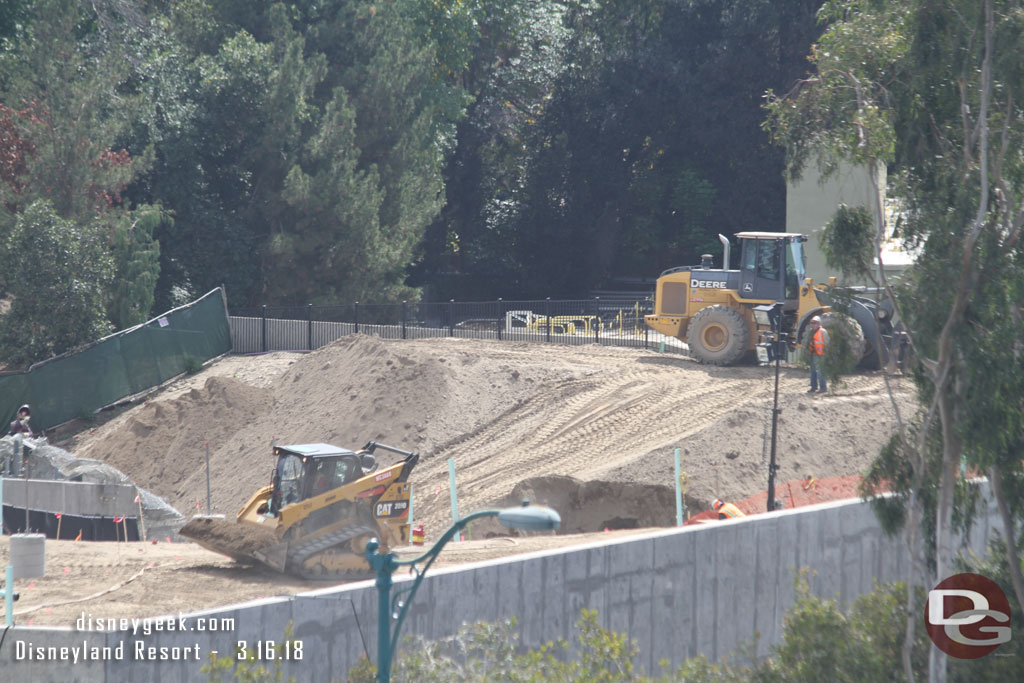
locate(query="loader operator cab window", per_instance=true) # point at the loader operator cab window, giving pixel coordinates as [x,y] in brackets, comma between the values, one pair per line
[767,259]
[795,271]
[289,477]
[330,473]
[323,475]
[762,259]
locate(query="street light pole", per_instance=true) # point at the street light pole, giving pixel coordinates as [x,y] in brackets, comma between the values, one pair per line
[771,315]
[529,517]
[772,467]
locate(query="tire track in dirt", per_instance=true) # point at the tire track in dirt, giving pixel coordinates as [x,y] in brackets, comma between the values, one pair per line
[566,428]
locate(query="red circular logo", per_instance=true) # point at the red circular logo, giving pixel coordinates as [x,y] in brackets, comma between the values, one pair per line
[967,616]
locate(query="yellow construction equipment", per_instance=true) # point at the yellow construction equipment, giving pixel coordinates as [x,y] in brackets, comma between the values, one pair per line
[712,310]
[323,504]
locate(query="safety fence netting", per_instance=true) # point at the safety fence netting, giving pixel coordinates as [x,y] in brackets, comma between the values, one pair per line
[123,364]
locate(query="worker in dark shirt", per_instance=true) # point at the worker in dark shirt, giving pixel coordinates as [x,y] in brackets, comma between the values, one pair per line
[21,424]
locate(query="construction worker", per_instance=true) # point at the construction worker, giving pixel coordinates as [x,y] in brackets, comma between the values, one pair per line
[21,425]
[816,352]
[726,510]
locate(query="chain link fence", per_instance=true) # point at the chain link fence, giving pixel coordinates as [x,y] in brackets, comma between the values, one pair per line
[614,322]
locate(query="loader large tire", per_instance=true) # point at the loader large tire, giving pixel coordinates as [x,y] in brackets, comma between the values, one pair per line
[838,323]
[718,335]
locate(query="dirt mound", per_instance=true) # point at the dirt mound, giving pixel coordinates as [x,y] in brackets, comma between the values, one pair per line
[587,506]
[161,443]
[505,413]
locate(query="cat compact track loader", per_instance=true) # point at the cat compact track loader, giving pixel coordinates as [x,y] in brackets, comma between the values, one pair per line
[314,519]
[712,310]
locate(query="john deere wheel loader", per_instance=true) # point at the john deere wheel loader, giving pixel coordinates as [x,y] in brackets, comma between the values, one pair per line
[314,519]
[712,310]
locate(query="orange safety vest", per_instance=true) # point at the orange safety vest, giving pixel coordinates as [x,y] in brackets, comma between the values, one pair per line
[818,342]
[730,510]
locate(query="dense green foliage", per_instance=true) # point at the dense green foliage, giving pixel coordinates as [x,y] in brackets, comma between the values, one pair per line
[355,150]
[632,140]
[56,285]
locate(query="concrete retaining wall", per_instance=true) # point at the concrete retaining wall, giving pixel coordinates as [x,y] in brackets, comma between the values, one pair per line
[72,497]
[677,592]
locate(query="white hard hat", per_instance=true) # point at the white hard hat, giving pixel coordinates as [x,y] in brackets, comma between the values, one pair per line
[816,319]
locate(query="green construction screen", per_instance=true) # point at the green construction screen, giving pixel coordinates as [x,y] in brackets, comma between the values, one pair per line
[123,364]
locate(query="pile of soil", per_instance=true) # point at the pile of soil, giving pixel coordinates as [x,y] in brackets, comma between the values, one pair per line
[240,541]
[505,413]
[589,506]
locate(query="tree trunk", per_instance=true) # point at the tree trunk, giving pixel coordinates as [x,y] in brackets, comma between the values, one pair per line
[914,570]
[944,512]
[996,479]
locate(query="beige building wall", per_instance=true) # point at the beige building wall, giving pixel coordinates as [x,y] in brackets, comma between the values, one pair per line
[811,203]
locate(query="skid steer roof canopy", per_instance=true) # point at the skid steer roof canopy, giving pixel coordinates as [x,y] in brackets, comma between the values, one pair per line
[313,450]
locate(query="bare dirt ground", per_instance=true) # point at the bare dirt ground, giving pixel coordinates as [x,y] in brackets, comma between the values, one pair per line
[115,580]
[588,429]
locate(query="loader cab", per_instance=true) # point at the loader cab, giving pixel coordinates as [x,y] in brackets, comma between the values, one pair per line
[308,470]
[771,266]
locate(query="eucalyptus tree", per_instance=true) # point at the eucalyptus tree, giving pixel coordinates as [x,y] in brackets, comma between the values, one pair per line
[932,89]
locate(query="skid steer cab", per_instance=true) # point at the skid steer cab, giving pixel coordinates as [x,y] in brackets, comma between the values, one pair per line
[305,471]
[712,309]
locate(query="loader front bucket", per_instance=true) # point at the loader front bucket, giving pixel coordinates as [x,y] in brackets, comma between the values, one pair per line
[241,542]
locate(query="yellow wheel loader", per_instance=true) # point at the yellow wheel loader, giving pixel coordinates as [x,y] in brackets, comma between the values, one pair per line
[313,521]
[712,310]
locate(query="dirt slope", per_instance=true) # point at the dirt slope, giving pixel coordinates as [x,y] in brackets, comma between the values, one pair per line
[506,412]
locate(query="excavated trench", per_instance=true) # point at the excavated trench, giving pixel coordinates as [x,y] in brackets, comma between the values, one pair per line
[587,506]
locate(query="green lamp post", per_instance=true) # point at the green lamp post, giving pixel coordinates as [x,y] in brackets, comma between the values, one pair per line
[527,517]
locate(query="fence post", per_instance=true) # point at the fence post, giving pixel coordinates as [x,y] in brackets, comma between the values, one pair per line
[547,318]
[309,330]
[597,320]
[357,317]
[501,316]
[403,319]
[451,318]
[264,328]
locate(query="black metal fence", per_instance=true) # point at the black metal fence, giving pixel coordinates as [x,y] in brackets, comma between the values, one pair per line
[618,322]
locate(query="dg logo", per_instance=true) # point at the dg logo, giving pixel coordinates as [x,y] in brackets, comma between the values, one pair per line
[967,616]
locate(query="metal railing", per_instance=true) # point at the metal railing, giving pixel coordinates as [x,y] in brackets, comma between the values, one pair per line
[614,322]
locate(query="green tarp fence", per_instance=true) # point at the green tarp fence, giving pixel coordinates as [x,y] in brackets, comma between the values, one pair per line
[121,365]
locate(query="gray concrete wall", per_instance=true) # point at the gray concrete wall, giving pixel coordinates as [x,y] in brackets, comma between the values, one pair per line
[677,592]
[71,497]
